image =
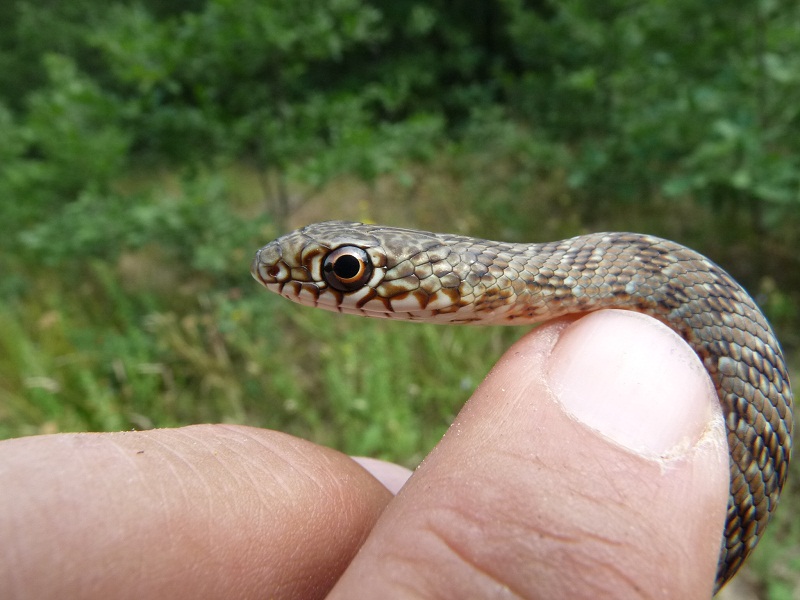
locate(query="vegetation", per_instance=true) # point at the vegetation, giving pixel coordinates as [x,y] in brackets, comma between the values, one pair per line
[149,148]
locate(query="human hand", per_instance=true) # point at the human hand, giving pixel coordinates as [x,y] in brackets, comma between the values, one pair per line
[520,499]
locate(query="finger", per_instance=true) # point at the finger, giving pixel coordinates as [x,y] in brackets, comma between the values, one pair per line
[391,475]
[205,511]
[592,462]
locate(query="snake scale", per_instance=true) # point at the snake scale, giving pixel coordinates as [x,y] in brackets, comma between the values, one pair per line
[389,272]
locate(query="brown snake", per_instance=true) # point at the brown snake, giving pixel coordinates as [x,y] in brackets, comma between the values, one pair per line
[414,275]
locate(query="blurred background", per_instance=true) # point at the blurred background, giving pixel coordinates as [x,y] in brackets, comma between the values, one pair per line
[148,149]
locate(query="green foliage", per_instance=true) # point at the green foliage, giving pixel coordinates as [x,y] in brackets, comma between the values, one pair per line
[672,97]
[196,228]
[31,30]
[73,131]
[235,77]
[657,99]
[70,141]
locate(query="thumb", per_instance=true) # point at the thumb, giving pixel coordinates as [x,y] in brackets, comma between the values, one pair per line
[591,462]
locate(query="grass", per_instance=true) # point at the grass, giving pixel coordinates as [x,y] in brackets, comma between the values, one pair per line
[171,330]
[96,356]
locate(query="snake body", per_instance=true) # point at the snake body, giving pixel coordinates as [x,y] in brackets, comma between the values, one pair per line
[414,275]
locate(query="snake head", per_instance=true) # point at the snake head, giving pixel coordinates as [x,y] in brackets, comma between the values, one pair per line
[369,270]
[321,265]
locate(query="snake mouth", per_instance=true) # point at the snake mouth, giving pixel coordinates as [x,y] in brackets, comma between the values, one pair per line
[367,302]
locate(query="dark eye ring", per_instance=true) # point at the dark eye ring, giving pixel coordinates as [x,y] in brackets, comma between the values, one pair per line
[347,268]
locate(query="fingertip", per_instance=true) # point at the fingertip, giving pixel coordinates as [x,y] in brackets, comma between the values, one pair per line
[635,381]
[391,475]
[211,510]
[523,489]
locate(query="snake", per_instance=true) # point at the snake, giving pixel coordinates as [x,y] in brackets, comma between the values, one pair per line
[397,273]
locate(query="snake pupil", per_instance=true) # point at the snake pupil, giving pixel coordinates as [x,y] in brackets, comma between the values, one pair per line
[347,268]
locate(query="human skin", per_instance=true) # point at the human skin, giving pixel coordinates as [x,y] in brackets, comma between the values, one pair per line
[591,463]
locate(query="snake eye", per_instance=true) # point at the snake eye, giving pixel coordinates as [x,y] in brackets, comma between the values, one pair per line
[347,268]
